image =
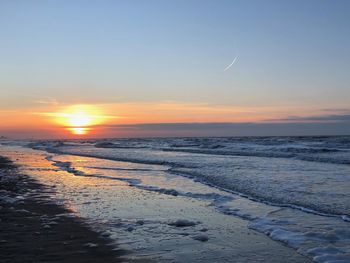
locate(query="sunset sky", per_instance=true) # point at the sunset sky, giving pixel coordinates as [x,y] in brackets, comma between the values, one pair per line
[132,68]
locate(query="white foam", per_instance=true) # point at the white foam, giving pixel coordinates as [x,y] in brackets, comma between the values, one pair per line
[337,250]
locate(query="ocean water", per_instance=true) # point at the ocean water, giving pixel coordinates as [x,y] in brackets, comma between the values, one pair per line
[295,190]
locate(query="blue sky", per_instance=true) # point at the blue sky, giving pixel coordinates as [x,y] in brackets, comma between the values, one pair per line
[290,53]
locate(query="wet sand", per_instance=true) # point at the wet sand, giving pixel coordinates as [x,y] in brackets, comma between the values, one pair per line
[140,221]
[37,230]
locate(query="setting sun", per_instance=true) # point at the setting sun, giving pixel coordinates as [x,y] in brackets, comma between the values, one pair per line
[79,130]
[78,119]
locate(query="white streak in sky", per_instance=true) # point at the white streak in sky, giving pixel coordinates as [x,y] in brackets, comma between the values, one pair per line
[234,60]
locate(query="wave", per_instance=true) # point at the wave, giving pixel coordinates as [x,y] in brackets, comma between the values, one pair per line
[68,167]
[313,149]
[273,154]
[316,210]
[238,175]
[115,145]
[327,242]
[123,169]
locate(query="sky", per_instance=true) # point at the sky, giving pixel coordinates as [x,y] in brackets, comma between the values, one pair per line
[163,62]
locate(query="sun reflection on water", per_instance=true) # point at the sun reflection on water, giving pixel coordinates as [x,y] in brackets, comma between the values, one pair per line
[79,130]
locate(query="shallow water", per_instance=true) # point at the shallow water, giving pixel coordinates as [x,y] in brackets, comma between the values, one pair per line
[147,221]
[304,204]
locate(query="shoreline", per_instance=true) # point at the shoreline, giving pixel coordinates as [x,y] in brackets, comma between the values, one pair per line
[156,235]
[35,229]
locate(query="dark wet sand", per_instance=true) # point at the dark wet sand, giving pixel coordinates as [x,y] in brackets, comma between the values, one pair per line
[37,230]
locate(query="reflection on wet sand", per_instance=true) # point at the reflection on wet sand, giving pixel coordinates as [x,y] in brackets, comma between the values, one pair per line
[129,203]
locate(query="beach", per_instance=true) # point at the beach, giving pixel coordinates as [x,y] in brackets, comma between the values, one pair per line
[187,200]
[175,131]
[35,229]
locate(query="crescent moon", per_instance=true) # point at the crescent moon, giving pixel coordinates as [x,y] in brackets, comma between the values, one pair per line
[234,60]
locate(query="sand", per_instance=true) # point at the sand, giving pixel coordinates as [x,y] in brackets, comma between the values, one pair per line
[37,230]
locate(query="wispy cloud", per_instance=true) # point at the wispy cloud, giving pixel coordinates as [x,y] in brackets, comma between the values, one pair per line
[47,101]
[319,118]
[339,110]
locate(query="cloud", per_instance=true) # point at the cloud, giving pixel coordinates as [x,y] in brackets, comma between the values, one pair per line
[320,118]
[47,101]
[195,130]
[339,110]
[229,129]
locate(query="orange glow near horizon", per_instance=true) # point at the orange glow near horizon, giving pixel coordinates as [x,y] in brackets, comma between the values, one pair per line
[79,130]
[79,119]
[99,120]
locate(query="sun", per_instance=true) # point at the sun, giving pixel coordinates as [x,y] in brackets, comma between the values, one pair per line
[79,119]
[79,130]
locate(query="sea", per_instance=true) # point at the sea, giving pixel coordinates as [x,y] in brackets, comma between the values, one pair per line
[153,194]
